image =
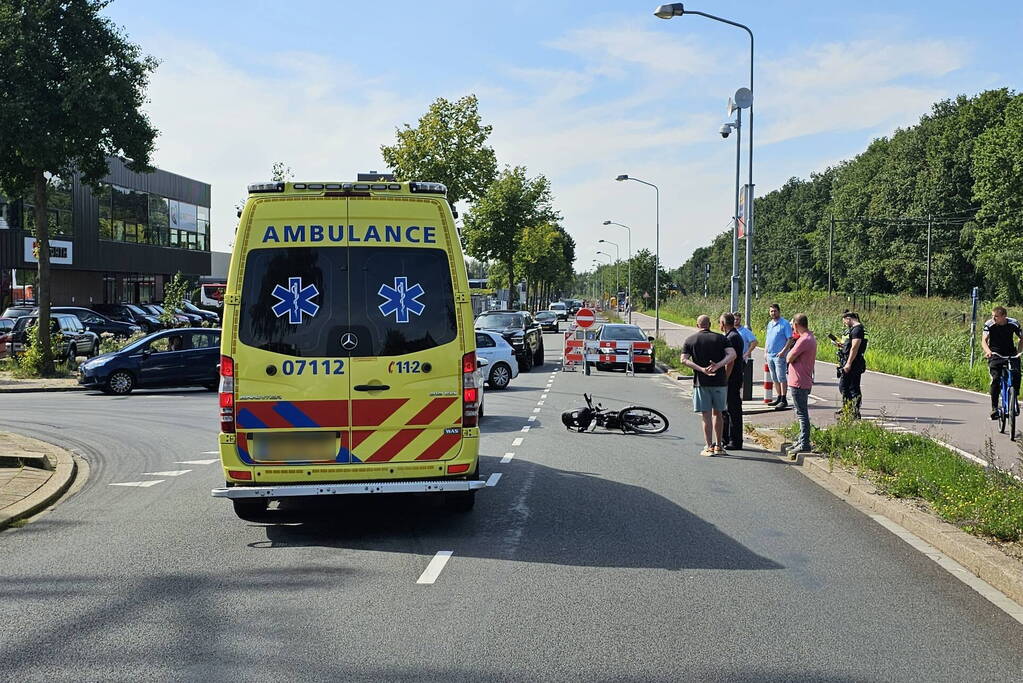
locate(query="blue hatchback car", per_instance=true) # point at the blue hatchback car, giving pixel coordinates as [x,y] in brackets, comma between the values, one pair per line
[182,357]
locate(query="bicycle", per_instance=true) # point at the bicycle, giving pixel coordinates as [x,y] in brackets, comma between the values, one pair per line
[636,419]
[1008,404]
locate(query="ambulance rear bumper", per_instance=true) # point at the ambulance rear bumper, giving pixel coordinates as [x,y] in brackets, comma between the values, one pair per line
[290,490]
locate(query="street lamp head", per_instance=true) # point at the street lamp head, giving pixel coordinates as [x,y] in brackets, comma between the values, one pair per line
[622,177]
[670,10]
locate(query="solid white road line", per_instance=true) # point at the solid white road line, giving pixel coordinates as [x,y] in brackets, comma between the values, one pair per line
[435,567]
[517,442]
[493,479]
[197,462]
[954,568]
[507,457]
[142,484]
[526,428]
[169,473]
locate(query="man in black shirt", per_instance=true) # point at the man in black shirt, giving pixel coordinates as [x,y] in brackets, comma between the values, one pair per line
[708,354]
[853,365]
[998,339]
[733,413]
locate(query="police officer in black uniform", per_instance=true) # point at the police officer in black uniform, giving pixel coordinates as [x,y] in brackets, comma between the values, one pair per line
[851,363]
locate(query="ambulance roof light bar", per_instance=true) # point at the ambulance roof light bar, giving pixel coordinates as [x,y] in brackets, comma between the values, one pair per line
[428,188]
[255,188]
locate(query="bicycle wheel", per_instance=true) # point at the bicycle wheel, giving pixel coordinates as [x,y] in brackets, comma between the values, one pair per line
[1004,407]
[1013,408]
[643,420]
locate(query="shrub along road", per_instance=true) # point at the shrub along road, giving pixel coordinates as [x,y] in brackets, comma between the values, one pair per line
[956,416]
[595,556]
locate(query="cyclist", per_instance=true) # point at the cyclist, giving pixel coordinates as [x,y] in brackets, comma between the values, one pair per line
[997,339]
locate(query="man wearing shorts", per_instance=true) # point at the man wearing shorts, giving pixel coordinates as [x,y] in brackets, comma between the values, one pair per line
[708,354]
[779,331]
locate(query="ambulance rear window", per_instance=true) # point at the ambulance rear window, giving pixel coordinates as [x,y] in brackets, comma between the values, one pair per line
[341,301]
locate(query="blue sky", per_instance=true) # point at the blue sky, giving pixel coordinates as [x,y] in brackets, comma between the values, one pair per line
[577,91]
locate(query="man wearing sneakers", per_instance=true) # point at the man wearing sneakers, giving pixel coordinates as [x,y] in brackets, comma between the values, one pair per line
[801,361]
[708,355]
[779,331]
[999,334]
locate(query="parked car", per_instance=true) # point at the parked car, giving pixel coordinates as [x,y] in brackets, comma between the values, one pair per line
[548,321]
[503,367]
[6,325]
[129,313]
[99,323]
[573,305]
[207,316]
[478,378]
[157,310]
[560,309]
[520,330]
[18,311]
[181,357]
[616,340]
[78,341]
[193,319]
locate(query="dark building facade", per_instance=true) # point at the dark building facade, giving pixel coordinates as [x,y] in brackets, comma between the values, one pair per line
[119,242]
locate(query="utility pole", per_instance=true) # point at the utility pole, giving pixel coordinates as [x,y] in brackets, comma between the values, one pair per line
[706,279]
[831,250]
[927,285]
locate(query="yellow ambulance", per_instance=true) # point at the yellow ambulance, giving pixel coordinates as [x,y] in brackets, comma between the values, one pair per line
[348,356]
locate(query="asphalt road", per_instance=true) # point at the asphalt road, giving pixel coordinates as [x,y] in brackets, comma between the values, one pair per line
[955,416]
[595,557]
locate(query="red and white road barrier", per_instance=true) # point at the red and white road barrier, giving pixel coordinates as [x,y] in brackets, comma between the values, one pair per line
[573,351]
[768,384]
[642,352]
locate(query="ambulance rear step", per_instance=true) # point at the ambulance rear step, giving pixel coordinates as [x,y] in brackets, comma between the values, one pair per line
[288,490]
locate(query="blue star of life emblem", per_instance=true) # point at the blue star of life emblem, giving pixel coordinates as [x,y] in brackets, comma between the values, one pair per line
[295,300]
[401,299]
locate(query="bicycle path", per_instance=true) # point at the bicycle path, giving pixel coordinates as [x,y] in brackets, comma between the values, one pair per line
[957,417]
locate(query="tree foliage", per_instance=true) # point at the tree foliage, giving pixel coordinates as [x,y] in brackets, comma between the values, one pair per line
[71,91]
[447,146]
[960,167]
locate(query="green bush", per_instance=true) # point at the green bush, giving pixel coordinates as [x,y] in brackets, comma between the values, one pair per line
[108,343]
[30,363]
[982,501]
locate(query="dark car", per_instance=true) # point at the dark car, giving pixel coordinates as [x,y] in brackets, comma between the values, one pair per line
[99,323]
[521,331]
[183,357]
[78,340]
[548,321]
[18,311]
[6,326]
[129,313]
[207,316]
[157,310]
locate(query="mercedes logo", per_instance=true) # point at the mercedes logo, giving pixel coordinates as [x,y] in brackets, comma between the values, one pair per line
[349,341]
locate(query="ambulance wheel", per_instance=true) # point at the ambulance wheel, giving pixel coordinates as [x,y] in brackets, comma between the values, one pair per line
[460,501]
[500,376]
[120,383]
[250,509]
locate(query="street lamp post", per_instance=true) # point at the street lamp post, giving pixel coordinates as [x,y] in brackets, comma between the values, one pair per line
[618,261]
[727,128]
[657,251]
[603,280]
[630,264]
[676,9]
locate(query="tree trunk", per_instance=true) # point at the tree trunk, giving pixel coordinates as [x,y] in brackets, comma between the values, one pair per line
[43,285]
[511,284]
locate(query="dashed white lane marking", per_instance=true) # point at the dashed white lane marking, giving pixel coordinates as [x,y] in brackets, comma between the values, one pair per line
[142,484]
[517,442]
[544,396]
[954,568]
[895,393]
[939,405]
[197,462]
[536,410]
[526,428]
[532,418]
[493,479]
[168,473]
[539,403]
[435,567]
[507,457]
[211,453]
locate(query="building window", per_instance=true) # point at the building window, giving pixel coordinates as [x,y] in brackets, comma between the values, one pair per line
[132,216]
[58,210]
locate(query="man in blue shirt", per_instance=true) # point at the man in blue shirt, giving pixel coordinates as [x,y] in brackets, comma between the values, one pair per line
[779,331]
[749,340]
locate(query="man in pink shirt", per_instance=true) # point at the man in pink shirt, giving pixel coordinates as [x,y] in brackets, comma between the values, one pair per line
[801,361]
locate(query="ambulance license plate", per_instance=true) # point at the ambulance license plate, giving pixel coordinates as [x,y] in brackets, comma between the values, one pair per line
[294,447]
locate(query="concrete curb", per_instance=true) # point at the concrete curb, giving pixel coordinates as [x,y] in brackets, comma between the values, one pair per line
[58,483]
[1002,572]
[35,390]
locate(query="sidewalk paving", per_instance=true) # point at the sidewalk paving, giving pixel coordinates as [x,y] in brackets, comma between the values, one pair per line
[33,474]
[957,417]
[9,384]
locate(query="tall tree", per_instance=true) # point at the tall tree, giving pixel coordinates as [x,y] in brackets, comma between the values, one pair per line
[71,91]
[448,146]
[493,229]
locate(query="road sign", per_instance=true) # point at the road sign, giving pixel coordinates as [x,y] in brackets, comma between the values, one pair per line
[584,318]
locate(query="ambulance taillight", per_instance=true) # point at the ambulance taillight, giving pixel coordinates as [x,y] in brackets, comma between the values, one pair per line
[470,394]
[227,394]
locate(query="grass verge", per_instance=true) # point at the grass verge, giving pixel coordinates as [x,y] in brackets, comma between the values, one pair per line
[981,501]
